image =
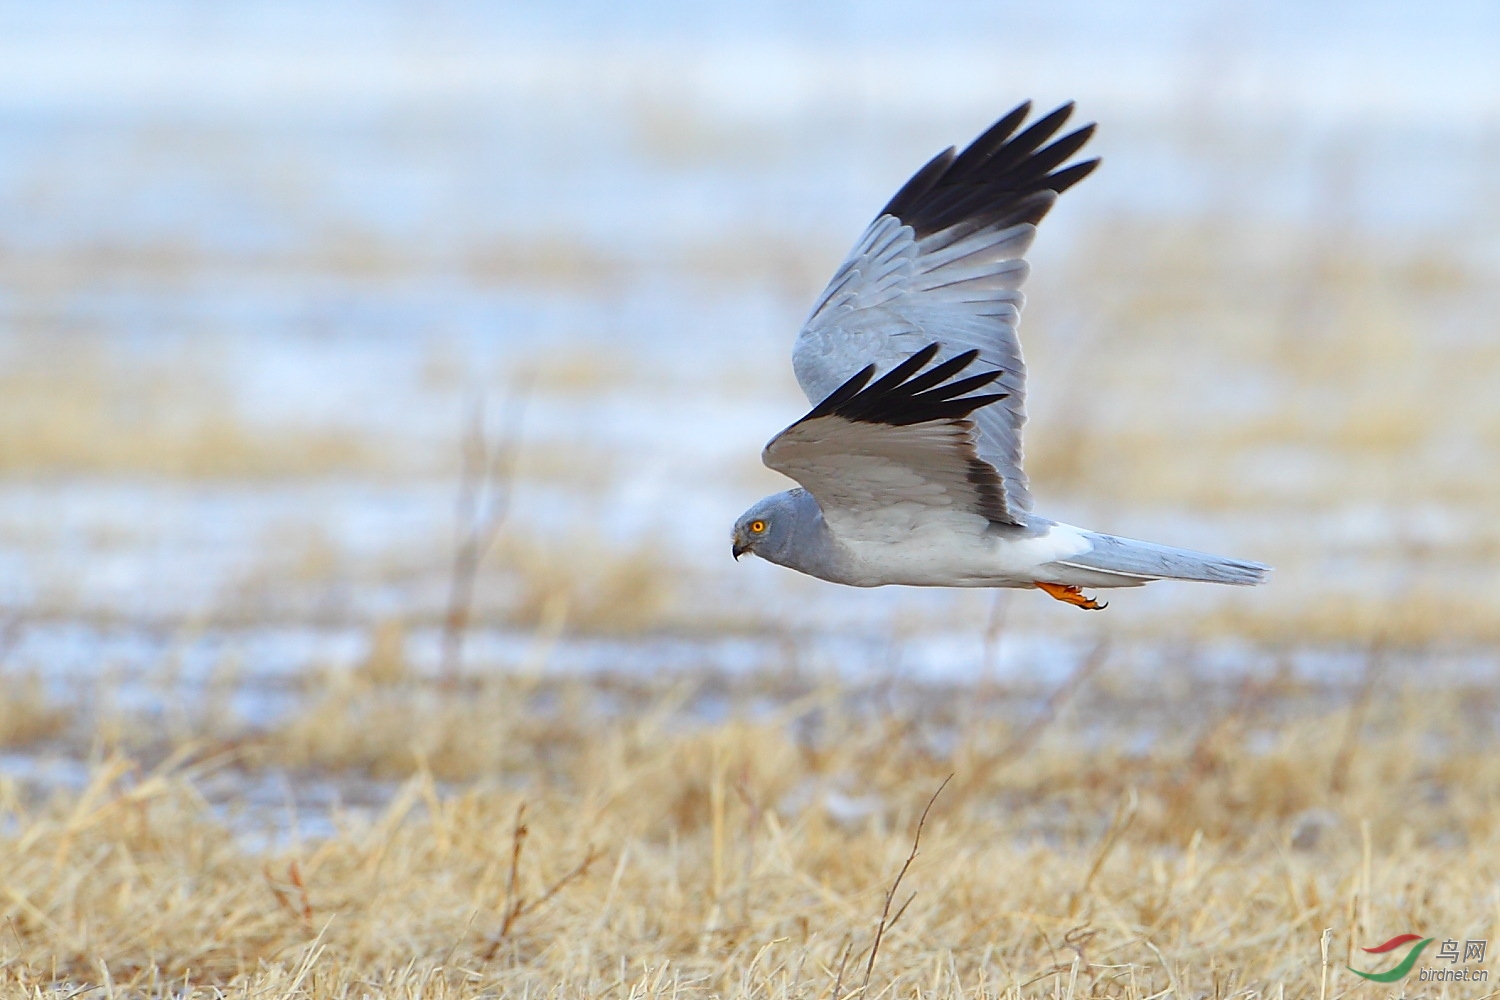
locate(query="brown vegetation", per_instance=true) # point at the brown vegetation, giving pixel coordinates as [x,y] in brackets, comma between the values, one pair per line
[590,838]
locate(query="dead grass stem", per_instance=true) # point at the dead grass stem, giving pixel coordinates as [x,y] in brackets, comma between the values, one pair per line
[589,837]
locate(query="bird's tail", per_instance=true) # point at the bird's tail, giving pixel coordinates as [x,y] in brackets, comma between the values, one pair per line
[1141,561]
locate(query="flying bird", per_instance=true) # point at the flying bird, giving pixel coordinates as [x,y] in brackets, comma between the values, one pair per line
[909,462]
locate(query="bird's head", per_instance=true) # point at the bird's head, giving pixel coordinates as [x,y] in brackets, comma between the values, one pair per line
[766,529]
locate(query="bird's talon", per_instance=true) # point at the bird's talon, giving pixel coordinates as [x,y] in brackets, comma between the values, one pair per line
[1072,595]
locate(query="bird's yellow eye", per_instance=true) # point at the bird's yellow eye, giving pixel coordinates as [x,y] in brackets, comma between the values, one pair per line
[757,527]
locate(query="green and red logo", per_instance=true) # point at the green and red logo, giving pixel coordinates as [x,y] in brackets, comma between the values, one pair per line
[1403,968]
[1473,951]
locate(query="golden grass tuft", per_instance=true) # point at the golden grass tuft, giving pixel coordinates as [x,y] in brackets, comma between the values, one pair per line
[27,713]
[602,837]
[1225,364]
[80,410]
[584,585]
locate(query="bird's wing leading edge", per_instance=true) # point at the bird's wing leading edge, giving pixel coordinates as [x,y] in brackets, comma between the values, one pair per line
[906,438]
[943,263]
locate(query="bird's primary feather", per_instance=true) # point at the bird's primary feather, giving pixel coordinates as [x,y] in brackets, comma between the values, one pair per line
[903,439]
[943,263]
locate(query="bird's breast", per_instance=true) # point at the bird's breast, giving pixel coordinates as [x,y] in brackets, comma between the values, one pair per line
[955,552]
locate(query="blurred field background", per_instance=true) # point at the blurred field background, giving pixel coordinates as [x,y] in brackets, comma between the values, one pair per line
[260,262]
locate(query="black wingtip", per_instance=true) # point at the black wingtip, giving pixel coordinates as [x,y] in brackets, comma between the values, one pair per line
[840,396]
[997,177]
[919,185]
[991,138]
[1068,176]
[907,395]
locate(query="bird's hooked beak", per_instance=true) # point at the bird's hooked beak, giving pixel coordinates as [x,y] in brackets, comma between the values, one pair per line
[739,549]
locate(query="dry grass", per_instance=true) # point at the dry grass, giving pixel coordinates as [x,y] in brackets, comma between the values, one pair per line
[76,407]
[27,714]
[584,838]
[1161,837]
[585,586]
[1233,365]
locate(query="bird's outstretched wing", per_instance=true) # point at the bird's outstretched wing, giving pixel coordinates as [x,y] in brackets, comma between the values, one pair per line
[943,263]
[904,441]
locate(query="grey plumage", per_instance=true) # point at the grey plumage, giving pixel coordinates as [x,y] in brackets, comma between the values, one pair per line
[796,536]
[1144,561]
[910,477]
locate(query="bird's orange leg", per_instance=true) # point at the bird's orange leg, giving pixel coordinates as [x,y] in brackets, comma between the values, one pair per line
[1073,596]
